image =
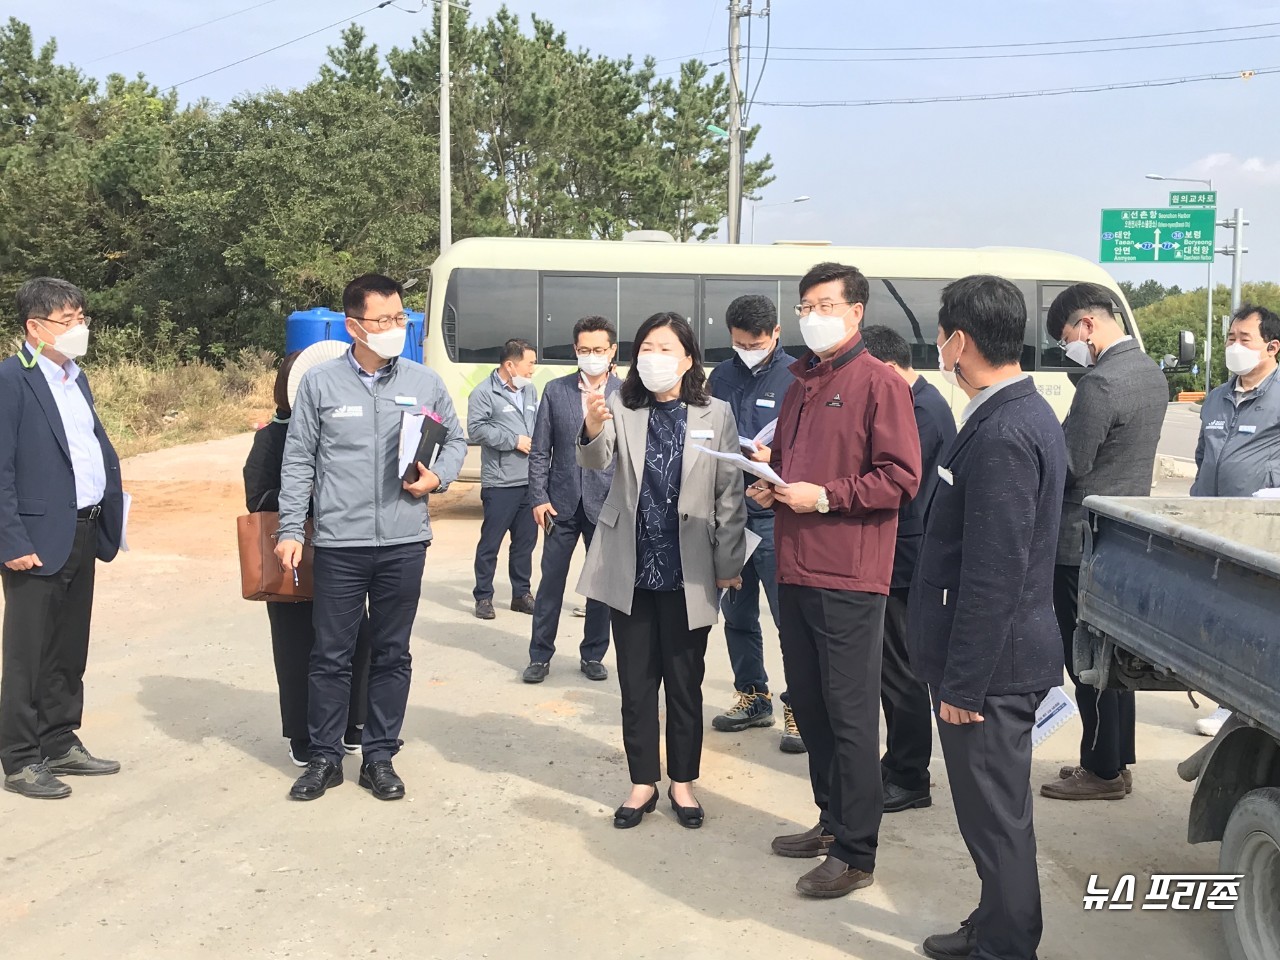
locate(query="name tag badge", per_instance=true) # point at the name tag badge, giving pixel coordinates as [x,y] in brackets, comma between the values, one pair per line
[766,403]
[702,434]
[1251,428]
[406,401]
[947,476]
[343,413]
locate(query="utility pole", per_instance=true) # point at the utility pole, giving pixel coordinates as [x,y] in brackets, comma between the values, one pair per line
[735,121]
[446,139]
[1236,251]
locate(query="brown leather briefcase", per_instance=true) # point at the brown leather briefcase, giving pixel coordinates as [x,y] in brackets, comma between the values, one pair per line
[261,577]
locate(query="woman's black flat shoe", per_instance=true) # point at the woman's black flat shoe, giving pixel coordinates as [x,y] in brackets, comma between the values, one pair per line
[624,818]
[690,817]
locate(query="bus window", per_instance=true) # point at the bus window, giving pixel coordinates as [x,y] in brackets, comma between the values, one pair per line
[911,308]
[641,297]
[716,297]
[565,301]
[484,308]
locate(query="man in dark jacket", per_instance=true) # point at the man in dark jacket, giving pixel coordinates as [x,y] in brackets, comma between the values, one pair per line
[61,510]
[981,627]
[567,498]
[501,413]
[1112,433]
[753,382]
[908,717]
[846,444]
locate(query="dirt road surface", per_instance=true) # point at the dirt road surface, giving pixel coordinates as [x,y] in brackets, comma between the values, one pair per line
[505,846]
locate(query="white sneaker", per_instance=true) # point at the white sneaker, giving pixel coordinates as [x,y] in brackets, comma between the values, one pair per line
[1210,725]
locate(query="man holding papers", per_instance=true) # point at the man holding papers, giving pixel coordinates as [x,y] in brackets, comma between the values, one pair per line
[753,382]
[847,446]
[371,526]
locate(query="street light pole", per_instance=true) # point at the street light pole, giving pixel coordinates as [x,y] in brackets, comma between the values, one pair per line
[1208,322]
[781,203]
[735,122]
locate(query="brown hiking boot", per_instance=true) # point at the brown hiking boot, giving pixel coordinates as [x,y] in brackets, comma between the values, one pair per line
[1083,785]
[1126,775]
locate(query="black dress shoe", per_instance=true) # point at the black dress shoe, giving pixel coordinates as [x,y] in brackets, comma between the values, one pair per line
[37,783]
[594,670]
[484,610]
[952,946]
[897,799]
[320,775]
[523,604]
[381,778]
[536,672]
[624,818]
[690,817]
[78,762]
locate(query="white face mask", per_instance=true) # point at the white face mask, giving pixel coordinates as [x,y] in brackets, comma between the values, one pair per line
[753,358]
[388,344]
[520,382]
[593,365]
[1079,352]
[949,375]
[1241,360]
[72,343]
[822,333]
[659,372]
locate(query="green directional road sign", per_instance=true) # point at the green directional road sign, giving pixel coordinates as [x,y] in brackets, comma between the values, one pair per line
[1154,235]
[1193,198]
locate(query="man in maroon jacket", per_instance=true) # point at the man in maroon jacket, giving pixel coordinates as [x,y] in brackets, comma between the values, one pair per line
[847,445]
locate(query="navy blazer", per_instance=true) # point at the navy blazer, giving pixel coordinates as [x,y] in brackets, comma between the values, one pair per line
[554,474]
[980,620]
[37,486]
[936,425]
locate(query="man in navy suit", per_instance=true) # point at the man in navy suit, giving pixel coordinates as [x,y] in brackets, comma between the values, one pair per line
[61,510]
[981,626]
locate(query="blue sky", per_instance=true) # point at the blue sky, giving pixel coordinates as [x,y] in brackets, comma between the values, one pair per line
[1028,172]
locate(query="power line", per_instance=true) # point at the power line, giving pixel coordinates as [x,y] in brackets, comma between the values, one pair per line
[280,46]
[1024,94]
[178,33]
[1036,53]
[768,43]
[1040,43]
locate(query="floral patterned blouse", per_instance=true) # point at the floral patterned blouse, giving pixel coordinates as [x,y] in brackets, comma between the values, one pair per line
[658,517]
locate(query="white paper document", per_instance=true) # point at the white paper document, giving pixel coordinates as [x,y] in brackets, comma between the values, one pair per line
[124,525]
[762,439]
[761,470]
[1270,493]
[753,540]
[410,437]
[1053,713]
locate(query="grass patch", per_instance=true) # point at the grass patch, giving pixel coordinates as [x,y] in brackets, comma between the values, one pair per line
[149,406]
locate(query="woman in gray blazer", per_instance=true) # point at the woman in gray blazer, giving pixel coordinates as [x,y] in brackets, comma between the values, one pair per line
[669,538]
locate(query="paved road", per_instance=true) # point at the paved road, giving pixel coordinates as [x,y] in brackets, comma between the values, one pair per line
[504,847]
[1181,431]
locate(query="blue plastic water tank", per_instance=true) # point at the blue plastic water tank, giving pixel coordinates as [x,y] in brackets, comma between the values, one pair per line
[305,327]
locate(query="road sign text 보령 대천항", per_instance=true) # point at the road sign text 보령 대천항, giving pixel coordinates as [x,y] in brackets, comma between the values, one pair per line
[1193,198]
[1156,235]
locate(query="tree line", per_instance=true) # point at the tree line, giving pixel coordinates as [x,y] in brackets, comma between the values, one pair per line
[205,225]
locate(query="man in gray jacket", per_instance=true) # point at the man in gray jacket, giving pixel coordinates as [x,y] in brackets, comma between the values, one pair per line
[372,529]
[1112,432]
[501,414]
[1239,449]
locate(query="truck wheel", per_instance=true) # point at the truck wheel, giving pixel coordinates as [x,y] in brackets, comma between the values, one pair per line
[1251,846]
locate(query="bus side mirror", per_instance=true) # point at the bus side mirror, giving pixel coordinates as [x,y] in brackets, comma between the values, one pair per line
[1186,348]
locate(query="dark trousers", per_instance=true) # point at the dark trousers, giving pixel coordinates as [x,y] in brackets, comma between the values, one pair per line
[390,580]
[741,609]
[46,648]
[908,715]
[293,634]
[654,645]
[1109,717]
[832,643]
[557,555]
[506,510]
[989,766]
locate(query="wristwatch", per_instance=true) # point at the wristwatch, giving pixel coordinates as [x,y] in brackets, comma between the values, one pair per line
[823,505]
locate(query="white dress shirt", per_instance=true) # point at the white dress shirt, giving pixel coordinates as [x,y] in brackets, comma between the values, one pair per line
[77,420]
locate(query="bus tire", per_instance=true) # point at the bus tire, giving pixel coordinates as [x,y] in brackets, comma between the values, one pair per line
[1251,846]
